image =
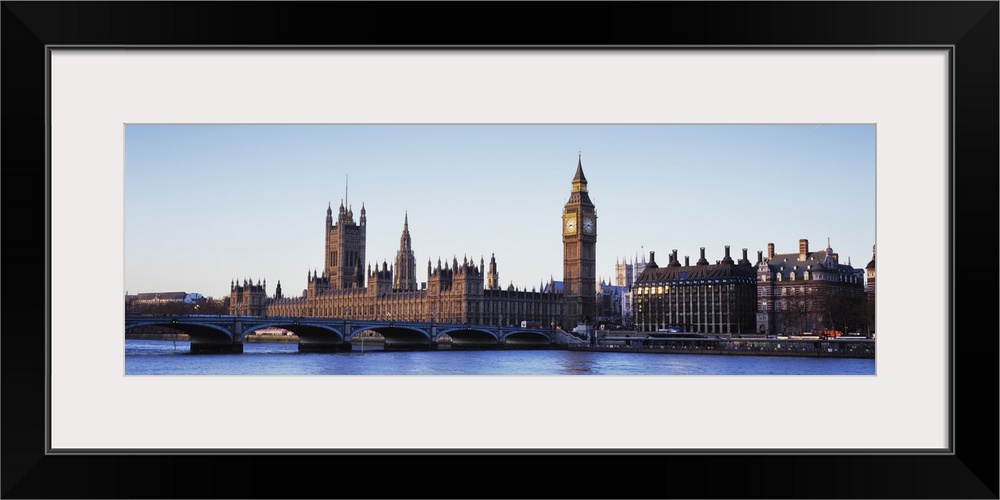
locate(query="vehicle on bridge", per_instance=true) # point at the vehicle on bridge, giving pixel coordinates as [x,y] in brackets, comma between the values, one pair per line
[531,324]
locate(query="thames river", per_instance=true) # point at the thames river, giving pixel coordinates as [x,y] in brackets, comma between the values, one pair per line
[166,357]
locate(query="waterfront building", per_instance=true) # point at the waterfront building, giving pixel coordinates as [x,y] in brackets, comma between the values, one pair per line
[869,314]
[808,292]
[705,298]
[248,299]
[156,298]
[466,292]
[870,275]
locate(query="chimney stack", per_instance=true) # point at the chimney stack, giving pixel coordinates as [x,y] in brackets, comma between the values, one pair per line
[803,249]
[760,256]
[727,259]
[687,260]
[770,251]
[702,261]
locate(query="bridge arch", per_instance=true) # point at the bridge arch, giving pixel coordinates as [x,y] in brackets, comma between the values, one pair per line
[467,335]
[307,331]
[394,333]
[527,337]
[197,331]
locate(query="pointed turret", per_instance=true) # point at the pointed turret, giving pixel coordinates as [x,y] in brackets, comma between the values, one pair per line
[579,177]
[578,193]
[831,259]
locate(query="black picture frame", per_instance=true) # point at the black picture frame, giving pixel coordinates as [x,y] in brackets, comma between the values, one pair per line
[969,28]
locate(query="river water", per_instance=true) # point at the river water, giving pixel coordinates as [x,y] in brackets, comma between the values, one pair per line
[166,357]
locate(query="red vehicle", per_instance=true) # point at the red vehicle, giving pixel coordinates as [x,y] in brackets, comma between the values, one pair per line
[531,324]
[828,334]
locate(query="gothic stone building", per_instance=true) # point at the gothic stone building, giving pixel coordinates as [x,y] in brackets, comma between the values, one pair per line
[705,298]
[579,254]
[464,292]
[808,292]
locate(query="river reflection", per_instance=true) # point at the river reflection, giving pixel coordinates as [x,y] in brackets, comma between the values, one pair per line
[164,357]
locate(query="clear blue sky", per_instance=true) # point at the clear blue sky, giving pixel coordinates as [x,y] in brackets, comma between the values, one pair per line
[208,204]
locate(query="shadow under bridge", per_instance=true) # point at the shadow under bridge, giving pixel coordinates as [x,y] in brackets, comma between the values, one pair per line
[527,338]
[466,337]
[313,337]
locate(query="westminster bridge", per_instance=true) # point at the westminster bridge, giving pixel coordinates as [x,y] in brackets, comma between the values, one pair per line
[225,333]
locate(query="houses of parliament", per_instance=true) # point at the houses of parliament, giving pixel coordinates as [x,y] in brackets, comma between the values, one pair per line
[455,292]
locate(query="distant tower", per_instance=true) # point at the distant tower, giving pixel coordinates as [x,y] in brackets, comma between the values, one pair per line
[638,267]
[345,248]
[406,263]
[623,273]
[492,277]
[579,235]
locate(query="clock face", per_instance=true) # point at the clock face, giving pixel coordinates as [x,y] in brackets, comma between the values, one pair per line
[588,225]
[571,225]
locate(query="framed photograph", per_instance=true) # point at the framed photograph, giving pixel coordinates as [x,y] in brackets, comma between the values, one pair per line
[919,78]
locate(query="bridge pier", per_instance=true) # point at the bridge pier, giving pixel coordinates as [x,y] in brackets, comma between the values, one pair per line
[213,348]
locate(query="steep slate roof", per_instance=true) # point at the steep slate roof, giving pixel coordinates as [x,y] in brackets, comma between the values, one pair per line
[581,196]
[690,273]
[789,262]
[579,170]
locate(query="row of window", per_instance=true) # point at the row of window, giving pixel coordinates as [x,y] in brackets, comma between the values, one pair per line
[806,276]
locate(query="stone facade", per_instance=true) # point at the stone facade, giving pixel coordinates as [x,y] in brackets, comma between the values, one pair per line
[808,292]
[579,254]
[466,292]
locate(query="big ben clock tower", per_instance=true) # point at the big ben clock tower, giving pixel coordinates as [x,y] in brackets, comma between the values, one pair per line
[579,235]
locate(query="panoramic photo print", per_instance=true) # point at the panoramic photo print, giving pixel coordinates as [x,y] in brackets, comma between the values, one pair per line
[499,249]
